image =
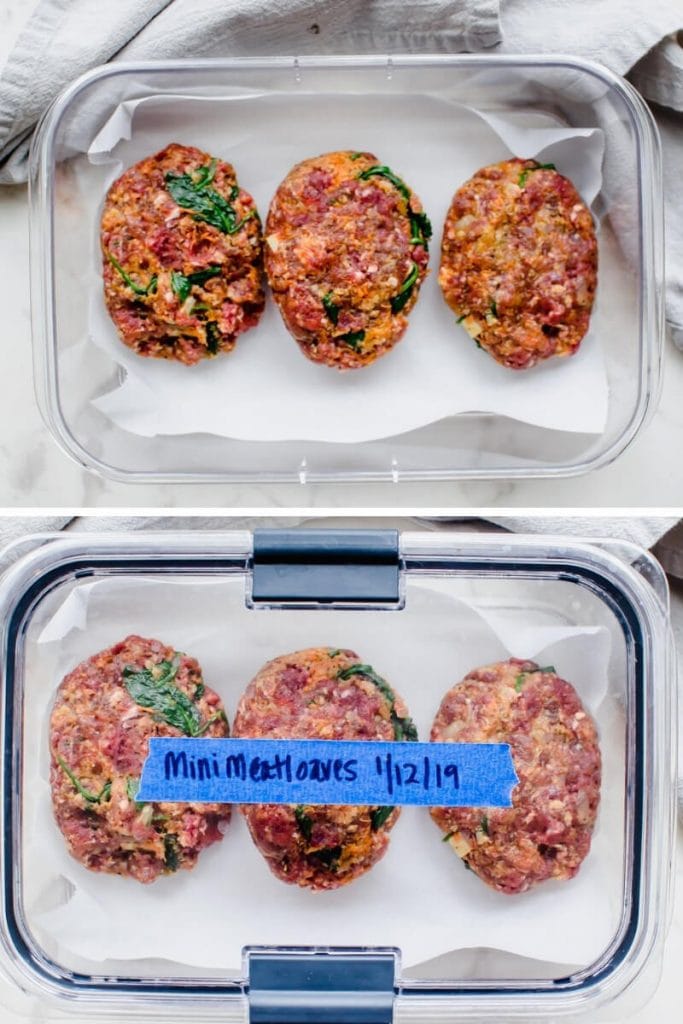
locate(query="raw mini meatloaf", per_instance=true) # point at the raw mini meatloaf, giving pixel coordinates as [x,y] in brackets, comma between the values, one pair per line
[519,262]
[104,714]
[330,694]
[554,745]
[346,252]
[181,256]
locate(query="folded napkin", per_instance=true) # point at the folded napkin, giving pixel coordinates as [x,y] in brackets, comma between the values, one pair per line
[617,33]
[64,38]
[643,41]
[642,530]
[659,75]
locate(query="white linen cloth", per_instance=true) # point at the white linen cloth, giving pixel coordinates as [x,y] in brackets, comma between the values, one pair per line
[634,38]
[63,38]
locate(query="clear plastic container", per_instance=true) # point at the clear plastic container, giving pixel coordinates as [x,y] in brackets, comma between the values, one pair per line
[67,192]
[400,943]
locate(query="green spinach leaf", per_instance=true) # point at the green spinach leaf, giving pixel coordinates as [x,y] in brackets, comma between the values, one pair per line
[378,816]
[204,175]
[150,289]
[213,337]
[92,798]
[154,689]
[171,852]
[193,193]
[519,679]
[214,718]
[353,339]
[420,225]
[182,283]
[304,823]
[420,229]
[404,728]
[132,787]
[383,171]
[521,181]
[331,308]
[328,856]
[399,300]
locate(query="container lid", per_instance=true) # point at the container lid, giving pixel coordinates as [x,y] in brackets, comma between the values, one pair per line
[415,933]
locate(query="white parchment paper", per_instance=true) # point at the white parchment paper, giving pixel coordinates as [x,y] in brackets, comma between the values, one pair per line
[419,897]
[266,389]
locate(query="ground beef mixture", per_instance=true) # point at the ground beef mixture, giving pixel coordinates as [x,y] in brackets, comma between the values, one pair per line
[104,714]
[546,834]
[321,693]
[346,252]
[519,262]
[181,256]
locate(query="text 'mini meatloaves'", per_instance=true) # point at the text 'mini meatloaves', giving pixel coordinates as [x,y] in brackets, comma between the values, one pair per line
[181,254]
[346,252]
[321,693]
[546,834]
[519,262]
[105,712]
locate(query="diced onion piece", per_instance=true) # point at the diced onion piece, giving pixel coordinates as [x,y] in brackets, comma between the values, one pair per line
[472,326]
[146,814]
[460,844]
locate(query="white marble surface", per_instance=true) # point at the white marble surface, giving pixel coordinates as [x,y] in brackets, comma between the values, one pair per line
[34,471]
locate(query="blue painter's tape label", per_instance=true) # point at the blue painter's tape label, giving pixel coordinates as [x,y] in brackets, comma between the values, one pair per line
[245,771]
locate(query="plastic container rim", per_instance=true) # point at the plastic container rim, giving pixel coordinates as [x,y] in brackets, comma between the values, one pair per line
[606,559]
[41,194]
